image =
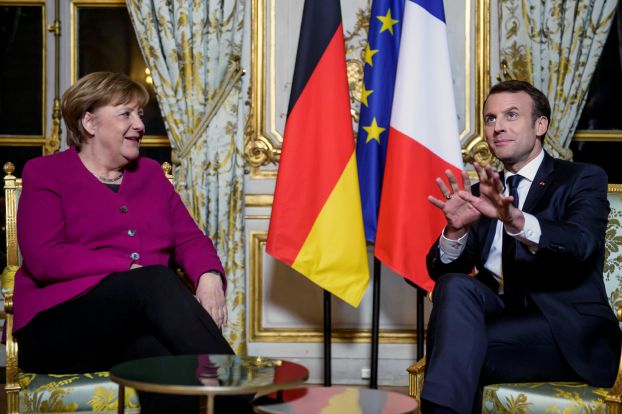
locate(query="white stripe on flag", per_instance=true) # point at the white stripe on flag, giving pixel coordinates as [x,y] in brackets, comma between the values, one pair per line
[423,106]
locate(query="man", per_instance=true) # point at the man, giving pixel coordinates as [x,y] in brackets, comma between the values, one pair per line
[519,293]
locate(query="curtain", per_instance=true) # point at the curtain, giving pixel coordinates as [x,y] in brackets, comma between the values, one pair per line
[193,49]
[555,45]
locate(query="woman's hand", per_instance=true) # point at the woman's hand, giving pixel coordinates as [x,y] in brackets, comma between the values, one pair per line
[212,297]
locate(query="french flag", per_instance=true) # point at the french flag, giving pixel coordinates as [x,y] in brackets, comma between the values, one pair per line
[423,143]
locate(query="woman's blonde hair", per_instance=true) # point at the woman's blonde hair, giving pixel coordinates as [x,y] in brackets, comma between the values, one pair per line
[93,91]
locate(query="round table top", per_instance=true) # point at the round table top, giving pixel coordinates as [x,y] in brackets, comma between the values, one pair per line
[209,374]
[314,400]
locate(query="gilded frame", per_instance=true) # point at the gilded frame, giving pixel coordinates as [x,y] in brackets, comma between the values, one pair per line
[258,333]
[263,142]
[148,140]
[33,140]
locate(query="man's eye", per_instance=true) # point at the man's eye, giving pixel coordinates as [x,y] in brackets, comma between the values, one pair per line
[489,119]
[512,115]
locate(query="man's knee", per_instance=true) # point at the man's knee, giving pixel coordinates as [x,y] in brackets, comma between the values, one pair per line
[450,285]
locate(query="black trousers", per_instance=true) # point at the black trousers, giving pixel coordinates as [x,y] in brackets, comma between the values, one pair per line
[139,313]
[474,340]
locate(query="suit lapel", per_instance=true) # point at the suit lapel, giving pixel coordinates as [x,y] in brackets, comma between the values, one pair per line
[540,184]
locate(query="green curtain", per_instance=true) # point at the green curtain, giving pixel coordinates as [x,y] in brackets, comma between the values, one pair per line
[555,45]
[193,49]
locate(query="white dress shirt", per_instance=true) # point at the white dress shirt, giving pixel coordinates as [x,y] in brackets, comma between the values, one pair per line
[450,250]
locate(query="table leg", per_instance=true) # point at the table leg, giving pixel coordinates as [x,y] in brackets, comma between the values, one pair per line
[121,400]
[210,404]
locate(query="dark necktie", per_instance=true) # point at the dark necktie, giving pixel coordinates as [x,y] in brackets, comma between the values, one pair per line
[508,248]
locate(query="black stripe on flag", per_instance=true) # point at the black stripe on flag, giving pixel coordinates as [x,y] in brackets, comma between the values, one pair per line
[320,20]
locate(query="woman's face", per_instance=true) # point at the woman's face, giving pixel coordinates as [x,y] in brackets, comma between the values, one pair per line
[116,131]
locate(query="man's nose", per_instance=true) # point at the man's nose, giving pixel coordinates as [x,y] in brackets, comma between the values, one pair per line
[499,125]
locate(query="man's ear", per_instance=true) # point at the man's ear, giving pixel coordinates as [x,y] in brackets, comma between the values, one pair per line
[542,125]
[89,123]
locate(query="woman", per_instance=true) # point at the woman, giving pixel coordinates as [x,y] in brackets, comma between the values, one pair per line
[97,228]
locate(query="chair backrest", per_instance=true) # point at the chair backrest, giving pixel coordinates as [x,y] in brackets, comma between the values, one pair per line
[12,191]
[613,248]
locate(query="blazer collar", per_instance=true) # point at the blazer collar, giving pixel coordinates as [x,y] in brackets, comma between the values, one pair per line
[541,183]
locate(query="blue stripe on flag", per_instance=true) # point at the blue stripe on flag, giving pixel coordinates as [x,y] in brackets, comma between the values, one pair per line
[434,7]
[385,29]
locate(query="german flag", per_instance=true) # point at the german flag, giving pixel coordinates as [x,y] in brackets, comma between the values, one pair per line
[316,225]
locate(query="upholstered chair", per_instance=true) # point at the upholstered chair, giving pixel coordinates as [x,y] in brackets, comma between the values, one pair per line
[33,393]
[560,397]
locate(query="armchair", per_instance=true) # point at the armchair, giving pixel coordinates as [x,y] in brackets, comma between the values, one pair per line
[560,397]
[31,392]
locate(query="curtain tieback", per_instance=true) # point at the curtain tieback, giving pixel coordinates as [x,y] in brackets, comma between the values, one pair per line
[234,73]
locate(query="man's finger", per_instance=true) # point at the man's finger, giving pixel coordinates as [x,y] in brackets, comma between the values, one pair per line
[436,202]
[466,181]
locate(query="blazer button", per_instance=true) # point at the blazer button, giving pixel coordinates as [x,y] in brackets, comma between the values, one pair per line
[123,209]
[131,232]
[134,256]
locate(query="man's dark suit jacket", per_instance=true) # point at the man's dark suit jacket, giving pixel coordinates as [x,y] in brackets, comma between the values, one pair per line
[564,277]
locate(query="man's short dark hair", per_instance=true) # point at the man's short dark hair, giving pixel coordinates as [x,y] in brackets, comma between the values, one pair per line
[541,105]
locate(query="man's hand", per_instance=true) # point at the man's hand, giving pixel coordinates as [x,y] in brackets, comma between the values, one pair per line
[492,202]
[458,212]
[212,297]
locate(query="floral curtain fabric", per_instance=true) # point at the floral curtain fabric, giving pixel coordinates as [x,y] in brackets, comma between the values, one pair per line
[193,49]
[555,45]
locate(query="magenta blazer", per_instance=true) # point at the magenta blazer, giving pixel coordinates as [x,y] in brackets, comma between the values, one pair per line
[73,230]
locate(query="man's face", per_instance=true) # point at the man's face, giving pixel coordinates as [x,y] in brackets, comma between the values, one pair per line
[510,130]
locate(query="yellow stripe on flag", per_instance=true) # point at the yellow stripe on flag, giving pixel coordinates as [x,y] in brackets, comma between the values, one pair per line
[334,254]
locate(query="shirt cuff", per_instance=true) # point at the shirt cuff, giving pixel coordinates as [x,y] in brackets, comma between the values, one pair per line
[450,249]
[530,234]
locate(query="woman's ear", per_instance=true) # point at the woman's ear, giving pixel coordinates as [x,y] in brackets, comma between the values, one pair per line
[89,123]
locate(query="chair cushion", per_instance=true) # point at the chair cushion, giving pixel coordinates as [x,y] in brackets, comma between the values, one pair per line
[70,393]
[548,397]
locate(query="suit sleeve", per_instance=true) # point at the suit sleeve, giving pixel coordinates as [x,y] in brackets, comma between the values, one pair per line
[194,251]
[573,226]
[48,256]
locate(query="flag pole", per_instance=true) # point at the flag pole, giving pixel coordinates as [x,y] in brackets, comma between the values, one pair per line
[327,339]
[420,322]
[375,326]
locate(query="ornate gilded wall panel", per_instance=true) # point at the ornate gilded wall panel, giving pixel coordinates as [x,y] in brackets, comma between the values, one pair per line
[286,307]
[274,38]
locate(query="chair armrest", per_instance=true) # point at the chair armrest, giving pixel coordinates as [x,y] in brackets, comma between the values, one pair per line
[614,397]
[415,380]
[12,385]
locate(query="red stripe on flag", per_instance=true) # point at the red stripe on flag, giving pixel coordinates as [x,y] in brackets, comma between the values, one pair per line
[314,153]
[407,223]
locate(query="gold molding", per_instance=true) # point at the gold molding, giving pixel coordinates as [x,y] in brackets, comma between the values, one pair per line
[259,149]
[598,135]
[475,147]
[148,140]
[615,188]
[33,140]
[259,333]
[258,200]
